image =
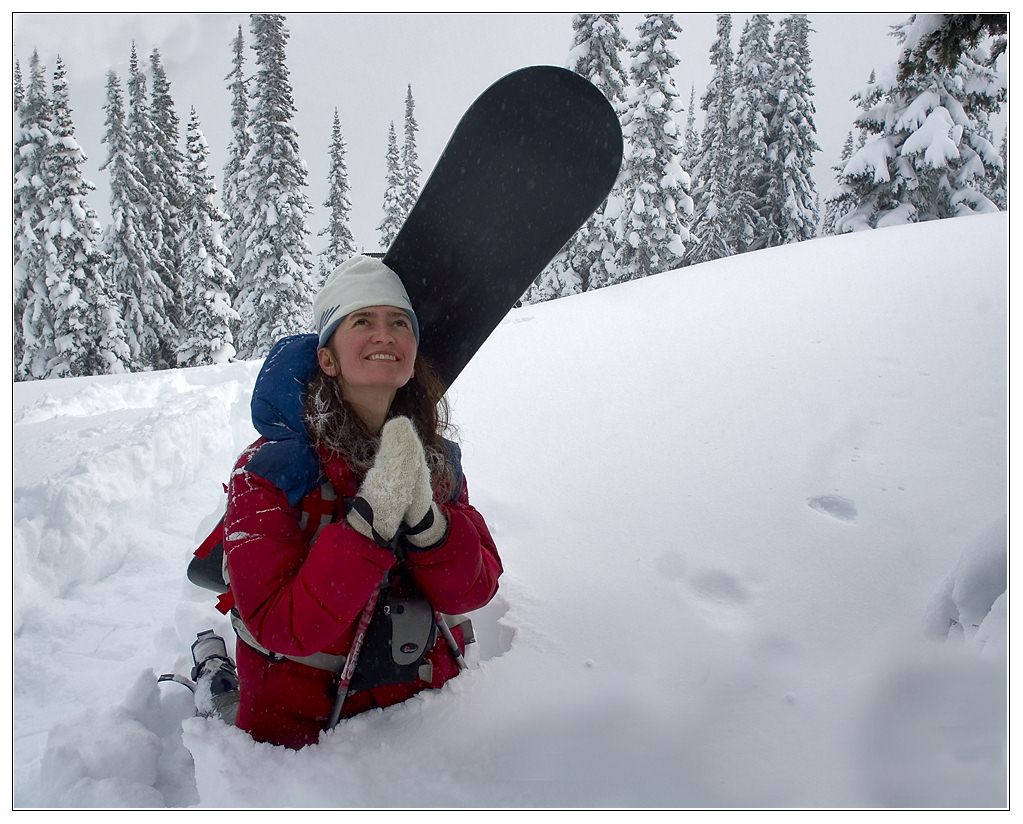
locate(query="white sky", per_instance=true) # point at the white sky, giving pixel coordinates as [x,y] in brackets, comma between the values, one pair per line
[362,63]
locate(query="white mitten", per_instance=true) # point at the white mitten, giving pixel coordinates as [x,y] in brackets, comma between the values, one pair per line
[386,491]
[427,524]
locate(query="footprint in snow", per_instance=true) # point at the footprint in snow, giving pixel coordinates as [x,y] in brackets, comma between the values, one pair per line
[836,506]
[720,587]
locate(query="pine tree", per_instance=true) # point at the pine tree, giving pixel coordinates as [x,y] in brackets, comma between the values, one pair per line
[936,42]
[928,150]
[657,207]
[168,185]
[393,215]
[88,336]
[713,171]
[235,178]
[19,86]
[152,280]
[277,273]
[410,171]
[840,200]
[588,260]
[340,243]
[793,203]
[691,142]
[750,208]
[33,321]
[999,181]
[210,322]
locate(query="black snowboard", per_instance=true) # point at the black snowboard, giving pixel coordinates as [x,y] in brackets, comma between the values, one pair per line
[528,163]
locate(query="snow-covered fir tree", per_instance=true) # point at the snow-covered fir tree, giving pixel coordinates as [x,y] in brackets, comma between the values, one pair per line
[157,299]
[87,333]
[338,231]
[656,207]
[998,181]
[19,86]
[937,41]
[691,141]
[127,245]
[167,181]
[750,207]
[928,150]
[792,201]
[839,201]
[410,170]
[235,183]
[210,322]
[277,276]
[33,321]
[393,214]
[588,259]
[714,169]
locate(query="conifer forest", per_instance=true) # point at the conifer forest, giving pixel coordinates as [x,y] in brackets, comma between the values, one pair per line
[198,265]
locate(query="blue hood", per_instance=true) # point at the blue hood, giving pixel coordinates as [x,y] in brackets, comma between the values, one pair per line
[288,459]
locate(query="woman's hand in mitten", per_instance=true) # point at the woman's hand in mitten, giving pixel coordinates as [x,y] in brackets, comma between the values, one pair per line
[388,487]
[427,524]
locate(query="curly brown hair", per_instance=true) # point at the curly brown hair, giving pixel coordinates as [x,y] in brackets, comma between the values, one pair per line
[334,426]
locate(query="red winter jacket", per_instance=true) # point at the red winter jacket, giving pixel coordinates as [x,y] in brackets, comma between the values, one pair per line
[299,597]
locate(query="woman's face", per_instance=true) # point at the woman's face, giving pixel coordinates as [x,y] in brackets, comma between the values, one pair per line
[373,348]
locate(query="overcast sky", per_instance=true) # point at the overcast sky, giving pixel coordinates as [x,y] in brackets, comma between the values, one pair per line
[362,63]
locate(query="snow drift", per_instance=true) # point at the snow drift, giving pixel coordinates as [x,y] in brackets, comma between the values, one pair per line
[753,520]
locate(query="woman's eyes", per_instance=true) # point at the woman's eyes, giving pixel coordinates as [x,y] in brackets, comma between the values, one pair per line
[403,322]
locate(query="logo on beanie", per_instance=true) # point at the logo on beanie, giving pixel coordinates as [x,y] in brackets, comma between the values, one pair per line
[326,315]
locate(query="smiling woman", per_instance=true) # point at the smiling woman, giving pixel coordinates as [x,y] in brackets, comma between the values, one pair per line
[350,543]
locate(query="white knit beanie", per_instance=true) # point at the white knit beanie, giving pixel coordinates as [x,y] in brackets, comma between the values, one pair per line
[357,283]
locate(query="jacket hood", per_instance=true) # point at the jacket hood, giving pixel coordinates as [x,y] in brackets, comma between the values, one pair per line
[287,459]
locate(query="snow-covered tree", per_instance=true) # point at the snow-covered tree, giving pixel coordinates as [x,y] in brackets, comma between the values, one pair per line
[233,190]
[792,201]
[840,200]
[588,260]
[210,322]
[33,321]
[656,207]
[127,245]
[19,86]
[87,333]
[750,207]
[935,42]
[167,183]
[340,243]
[410,170]
[714,169]
[155,293]
[929,150]
[691,141]
[277,276]
[998,181]
[393,214]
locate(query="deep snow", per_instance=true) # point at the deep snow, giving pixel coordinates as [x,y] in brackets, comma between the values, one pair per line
[752,513]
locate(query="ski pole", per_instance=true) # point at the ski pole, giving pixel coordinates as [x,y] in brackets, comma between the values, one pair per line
[445,630]
[352,659]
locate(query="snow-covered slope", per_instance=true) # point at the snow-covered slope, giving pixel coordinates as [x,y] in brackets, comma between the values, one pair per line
[752,515]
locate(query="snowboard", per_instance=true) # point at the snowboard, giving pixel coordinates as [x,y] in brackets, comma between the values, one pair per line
[531,159]
[528,163]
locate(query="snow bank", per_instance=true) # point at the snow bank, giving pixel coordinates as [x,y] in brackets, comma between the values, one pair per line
[752,516]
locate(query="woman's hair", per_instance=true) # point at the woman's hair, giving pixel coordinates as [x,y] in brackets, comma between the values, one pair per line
[334,426]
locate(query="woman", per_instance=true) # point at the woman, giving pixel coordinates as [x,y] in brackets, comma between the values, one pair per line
[352,487]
